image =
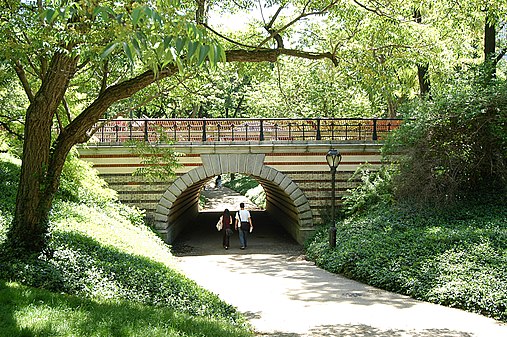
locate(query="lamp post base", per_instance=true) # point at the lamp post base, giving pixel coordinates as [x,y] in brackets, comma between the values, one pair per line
[332,237]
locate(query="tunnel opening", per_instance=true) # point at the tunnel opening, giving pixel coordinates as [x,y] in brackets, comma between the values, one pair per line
[202,237]
[286,205]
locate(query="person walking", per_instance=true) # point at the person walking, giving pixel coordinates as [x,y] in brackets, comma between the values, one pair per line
[243,225]
[226,224]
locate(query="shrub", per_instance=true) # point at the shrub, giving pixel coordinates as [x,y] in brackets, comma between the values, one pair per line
[374,187]
[80,183]
[455,146]
[248,187]
[456,258]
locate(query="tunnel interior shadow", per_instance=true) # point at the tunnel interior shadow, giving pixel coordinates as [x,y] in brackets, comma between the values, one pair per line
[200,237]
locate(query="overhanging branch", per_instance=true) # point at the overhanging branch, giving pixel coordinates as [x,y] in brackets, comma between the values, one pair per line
[271,55]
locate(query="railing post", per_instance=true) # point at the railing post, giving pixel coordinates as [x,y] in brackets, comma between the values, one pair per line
[276,131]
[374,135]
[232,132]
[130,130]
[246,132]
[102,132]
[319,136]
[189,127]
[146,130]
[218,136]
[116,127]
[261,135]
[204,138]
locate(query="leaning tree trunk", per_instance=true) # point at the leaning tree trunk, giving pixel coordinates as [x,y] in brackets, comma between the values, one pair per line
[29,227]
[43,162]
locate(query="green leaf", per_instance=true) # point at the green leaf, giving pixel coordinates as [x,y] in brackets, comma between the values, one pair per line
[221,53]
[167,41]
[191,49]
[148,11]
[211,55]
[50,15]
[136,46]
[136,15]
[108,50]
[106,13]
[128,52]
[203,52]
[180,42]
[141,37]
[157,18]
[191,29]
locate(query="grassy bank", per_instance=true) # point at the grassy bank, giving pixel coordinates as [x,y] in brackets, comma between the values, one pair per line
[457,258]
[28,311]
[105,272]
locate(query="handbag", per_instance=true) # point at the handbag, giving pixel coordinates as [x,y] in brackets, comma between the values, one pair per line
[219,224]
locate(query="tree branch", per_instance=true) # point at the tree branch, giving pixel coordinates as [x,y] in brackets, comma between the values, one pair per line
[9,130]
[296,19]
[501,54]
[228,39]
[20,71]
[271,55]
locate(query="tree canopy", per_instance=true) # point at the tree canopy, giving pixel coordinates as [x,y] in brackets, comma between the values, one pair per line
[69,63]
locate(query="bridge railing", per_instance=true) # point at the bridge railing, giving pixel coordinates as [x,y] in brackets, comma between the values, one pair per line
[227,130]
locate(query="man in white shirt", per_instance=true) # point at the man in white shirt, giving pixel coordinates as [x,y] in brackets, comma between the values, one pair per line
[243,224]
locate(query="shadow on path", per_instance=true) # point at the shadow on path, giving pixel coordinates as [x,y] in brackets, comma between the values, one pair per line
[284,295]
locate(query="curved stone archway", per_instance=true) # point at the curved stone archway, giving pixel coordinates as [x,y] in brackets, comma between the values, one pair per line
[285,201]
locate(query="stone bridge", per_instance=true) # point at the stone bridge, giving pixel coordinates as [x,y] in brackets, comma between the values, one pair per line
[287,157]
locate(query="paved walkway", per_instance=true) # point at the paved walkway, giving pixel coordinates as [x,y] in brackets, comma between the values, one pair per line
[284,295]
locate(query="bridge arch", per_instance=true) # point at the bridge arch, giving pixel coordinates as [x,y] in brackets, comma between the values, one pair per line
[285,201]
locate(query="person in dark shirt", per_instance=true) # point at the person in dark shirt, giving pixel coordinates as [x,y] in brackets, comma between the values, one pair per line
[227,224]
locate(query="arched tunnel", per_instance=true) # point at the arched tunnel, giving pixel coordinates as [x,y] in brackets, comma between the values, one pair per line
[286,204]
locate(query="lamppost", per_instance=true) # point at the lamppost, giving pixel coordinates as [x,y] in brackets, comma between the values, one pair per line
[333,159]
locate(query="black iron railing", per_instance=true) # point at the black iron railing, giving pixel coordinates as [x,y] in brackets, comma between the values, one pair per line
[230,130]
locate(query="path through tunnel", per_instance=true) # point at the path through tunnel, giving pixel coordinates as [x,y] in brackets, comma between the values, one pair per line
[200,237]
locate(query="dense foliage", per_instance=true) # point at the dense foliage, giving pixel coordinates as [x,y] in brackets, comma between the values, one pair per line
[101,250]
[456,146]
[453,258]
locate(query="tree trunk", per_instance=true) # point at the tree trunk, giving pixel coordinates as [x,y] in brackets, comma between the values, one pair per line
[42,163]
[490,48]
[29,228]
[391,108]
[422,69]
[424,81]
